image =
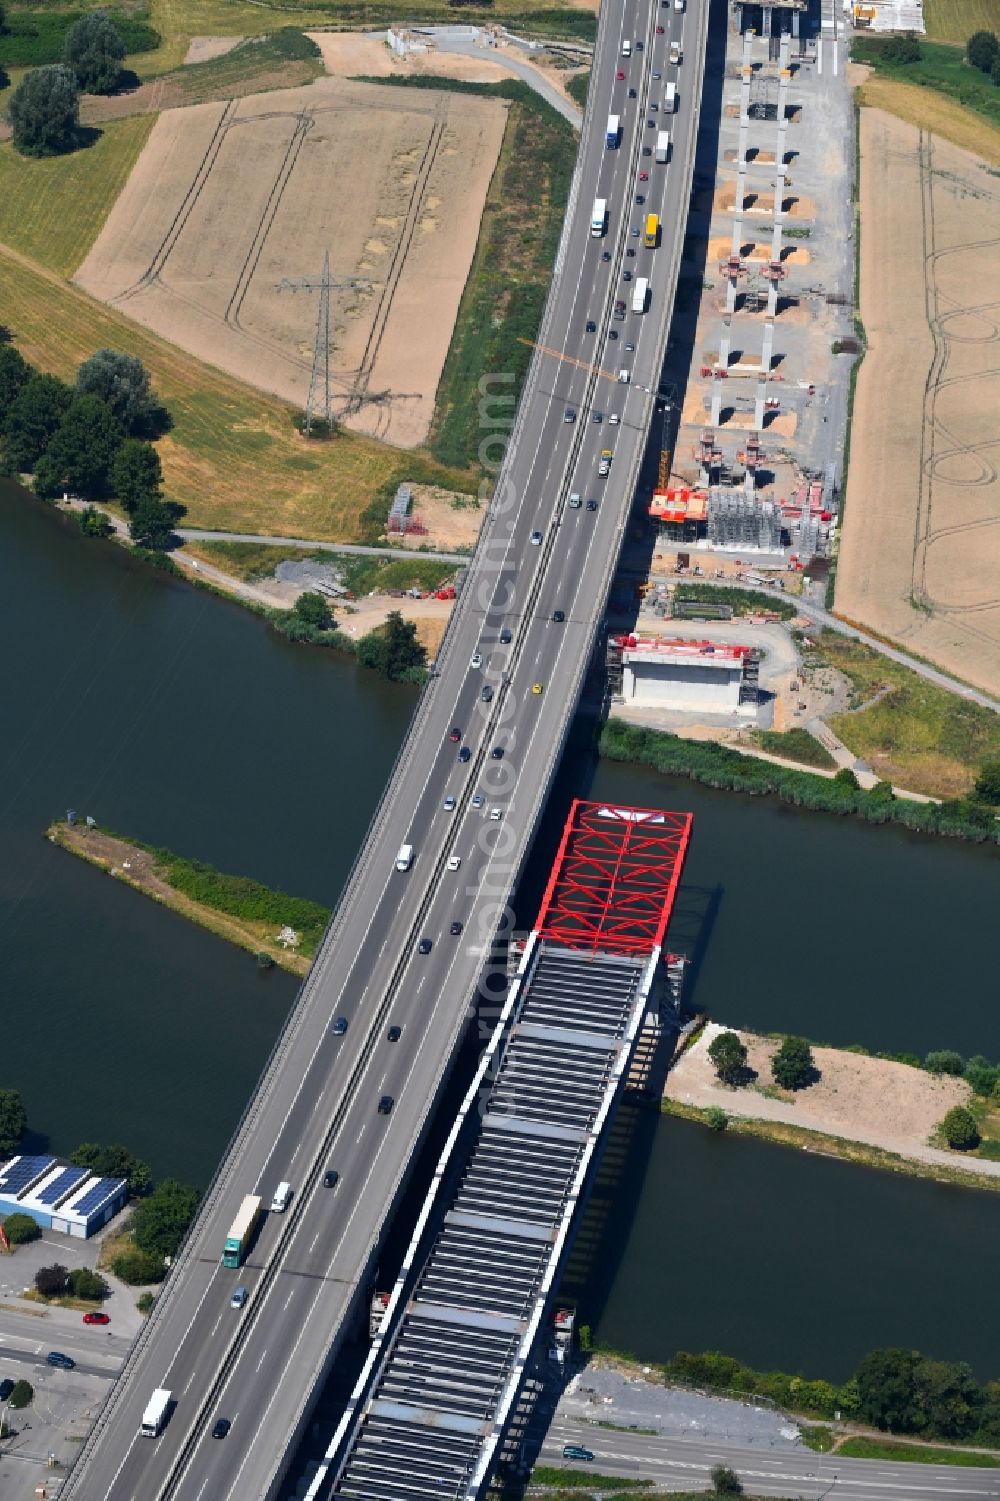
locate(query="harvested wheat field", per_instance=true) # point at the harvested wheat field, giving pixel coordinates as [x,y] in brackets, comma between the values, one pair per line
[920,554]
[229,198]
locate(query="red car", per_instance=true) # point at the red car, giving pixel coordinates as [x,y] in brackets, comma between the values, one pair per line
[621,76]
[96,1318]
[455,735]
[659,31]
[643,176]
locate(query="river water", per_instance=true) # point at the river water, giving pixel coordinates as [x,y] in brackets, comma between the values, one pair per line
[178,718]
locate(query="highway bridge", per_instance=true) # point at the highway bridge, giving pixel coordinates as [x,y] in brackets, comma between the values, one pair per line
[529,616]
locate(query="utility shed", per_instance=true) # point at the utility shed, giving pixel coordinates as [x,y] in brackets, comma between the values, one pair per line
[59,1196]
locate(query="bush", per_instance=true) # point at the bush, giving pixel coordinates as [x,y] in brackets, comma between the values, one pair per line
[793,1065]
[726,1482]
[13,1121]
[716,1119]
[988,782]
[94,523]
[84,1283]
[45,112]
[959,1129]
[145,1301]
[982,1075]
[22,1395]
[50,1281]
[982,51]
[138,1268]
[944,1062]
[20,1228]
[314,610]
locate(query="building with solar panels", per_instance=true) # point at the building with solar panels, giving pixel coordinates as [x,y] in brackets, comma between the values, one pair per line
[58,1197]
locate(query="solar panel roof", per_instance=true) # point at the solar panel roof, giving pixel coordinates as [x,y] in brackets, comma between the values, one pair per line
[22,1171]
[62,1185]
[97,1195]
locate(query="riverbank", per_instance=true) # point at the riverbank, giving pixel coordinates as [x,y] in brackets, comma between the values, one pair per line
[284,928]
[864,1109]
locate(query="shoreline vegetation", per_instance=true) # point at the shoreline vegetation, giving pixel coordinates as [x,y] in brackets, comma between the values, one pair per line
[235,908]
[727,770]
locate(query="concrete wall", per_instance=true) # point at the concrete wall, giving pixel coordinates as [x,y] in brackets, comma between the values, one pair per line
[668,685]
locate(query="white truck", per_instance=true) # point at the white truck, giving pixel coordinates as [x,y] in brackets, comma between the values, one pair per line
[639,294]
[599,217]
[156,1412]
[614,129]
[662,145]
[405,857]
[670,99]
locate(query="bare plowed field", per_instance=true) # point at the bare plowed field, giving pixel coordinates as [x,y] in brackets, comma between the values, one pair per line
[920,556]
[228,199]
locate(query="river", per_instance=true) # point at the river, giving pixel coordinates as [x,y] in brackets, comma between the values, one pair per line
[178,718]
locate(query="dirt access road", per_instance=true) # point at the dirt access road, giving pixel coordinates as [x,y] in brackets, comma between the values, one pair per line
[920,553]
[231,197]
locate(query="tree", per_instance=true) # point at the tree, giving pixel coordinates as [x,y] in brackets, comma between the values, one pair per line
[886,1389]
[716,1119]
[51,1280]
[882,793]
[21,1395]
[846,779]
[113,1162]
[31,419]
[13,1121]
[793,1065]
[138,1268]
[160,1222]
[94,523]
[152,523]
[136,474]
[960,1130]
[20,1228]
[729,1056]
[45,112]
[15,372]
[988,782]
[726,1482]
[81,451]
[123,382]
[982,1075]
[393,649]
[946,1061]
[947,1398]
[94,51]
[982,50]
[313,610]
[84,1283]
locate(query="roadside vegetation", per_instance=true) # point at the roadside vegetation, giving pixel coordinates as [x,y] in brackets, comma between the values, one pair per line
[253,561]
[243,898]
[794,745]
[578,87]
[717,766]
[916,734]
[742,601]
[891,1452]
[932,65]
[33,37]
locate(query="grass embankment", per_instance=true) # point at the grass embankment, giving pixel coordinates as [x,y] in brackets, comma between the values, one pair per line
[252,561]
[509,278]
[233,456]
[53,209]
[283,59]
[794,745]
[717,766]
[741,601]
[941,69]
[33,38]
[233,907]
[891,1451]
[917,735]
[783,1134]
[578,87]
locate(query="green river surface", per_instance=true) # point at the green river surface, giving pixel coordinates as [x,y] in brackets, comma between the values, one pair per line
[177,717]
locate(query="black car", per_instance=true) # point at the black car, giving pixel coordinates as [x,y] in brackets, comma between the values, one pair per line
[630,251]
[465,754]
[631,93]
[6,1387]
[626,275]
[424,946]
[486,694]
[394,1034]
[605,255]
[339,1027]
[221,1428]
[497,753]
[612,333]
[385,1104]
[505,637]
[650,124]
[640,197]
[331,1178]
[558,616]
[65,1362]
[591,505]
[647,150]
[591,326]
[456,928]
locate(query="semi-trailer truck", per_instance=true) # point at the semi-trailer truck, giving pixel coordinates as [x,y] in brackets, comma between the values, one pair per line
[599,217]
[156,1412]
[670,99]
[662,145]
[614,127]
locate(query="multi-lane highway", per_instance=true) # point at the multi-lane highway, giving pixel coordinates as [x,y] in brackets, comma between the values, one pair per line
[528,616]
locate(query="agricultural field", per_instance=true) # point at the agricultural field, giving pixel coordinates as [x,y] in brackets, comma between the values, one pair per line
[955,20]
[233,456]
[35,195]
[920,552]
[930,111]
[229,198]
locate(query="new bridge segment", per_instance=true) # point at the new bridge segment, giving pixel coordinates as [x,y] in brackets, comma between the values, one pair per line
[316,1104]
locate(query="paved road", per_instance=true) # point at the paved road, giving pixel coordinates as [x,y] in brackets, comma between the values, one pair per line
[316,1106]
[192,534]
[676,1463]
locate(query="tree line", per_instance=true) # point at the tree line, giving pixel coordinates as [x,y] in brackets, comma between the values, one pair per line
[45,107]
[91,439]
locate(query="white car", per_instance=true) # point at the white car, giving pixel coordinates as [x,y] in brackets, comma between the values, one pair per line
[478,800]
[536,539]
[614,419]
[454,862]
[449,804]
[476,660]
[496,814]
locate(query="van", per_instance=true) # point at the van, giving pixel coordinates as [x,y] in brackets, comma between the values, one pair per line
[239,1297]
[626,49]
[282,1195]
[405,857]
[675,52]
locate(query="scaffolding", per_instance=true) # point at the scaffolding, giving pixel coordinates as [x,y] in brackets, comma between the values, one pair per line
[739,520]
